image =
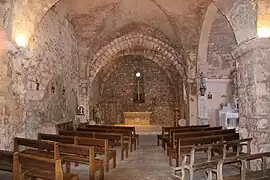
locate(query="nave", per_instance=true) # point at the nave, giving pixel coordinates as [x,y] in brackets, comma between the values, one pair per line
[149,162]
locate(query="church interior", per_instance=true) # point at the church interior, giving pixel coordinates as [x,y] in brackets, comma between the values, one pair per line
[135,89]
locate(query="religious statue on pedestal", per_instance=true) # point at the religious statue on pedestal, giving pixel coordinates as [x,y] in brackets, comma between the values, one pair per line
[177,117]
[97,115]
[203,84]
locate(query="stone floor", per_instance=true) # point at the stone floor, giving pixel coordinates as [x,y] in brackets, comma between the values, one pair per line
[147,163]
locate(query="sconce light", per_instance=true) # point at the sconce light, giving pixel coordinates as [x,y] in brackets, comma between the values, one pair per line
[263,32]
[263,21]
[21,41]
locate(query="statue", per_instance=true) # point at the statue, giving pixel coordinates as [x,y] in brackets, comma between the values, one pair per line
[97,114]
[203,84]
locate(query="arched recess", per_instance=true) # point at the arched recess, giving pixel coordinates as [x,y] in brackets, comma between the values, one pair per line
[149,54]
[244,26]
[160,97]
[168,55]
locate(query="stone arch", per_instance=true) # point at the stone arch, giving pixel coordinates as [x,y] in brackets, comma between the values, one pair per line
[135,41]
[27,27]
[148,54]
[209,18]
[244,27]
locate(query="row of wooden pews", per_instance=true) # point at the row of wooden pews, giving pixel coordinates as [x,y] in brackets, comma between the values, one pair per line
[45,157]
[205,148]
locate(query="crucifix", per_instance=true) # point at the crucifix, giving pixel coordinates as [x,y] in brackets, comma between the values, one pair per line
[138,74]
[138,91]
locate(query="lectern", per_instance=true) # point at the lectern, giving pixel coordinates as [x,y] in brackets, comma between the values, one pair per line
[137,118]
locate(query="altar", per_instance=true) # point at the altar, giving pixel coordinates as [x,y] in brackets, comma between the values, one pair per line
[137,118]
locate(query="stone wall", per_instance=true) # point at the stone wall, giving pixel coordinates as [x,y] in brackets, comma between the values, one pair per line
[253,75]
[54,71]
[159,95]
[220,63]
[5,12]
[39,84]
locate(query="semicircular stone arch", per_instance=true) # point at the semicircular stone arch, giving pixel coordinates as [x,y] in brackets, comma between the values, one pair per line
[244,27]
[164,53]
[150,55]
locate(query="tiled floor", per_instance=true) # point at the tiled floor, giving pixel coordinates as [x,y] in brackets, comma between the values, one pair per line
[149,162]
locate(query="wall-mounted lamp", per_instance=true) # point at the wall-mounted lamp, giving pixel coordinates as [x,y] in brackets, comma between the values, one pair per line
[263,32]
[263,19]
[21,41]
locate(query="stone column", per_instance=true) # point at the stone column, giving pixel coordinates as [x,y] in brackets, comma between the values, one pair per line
[253,71]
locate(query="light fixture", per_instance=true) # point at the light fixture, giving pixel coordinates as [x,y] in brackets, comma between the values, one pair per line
[263,18]
[263,32]
[21,41]
[138,74]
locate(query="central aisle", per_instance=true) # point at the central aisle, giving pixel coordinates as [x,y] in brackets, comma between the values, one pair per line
[147,163]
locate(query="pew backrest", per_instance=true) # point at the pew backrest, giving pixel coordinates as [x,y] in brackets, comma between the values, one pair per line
[37,144]
[125,132]
[202,133]
[112,127]
[38,163]
[173,131]
[167,129]
[57,138]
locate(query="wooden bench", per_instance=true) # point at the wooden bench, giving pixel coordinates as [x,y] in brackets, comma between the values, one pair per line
[177,135]
[111,139]
[196,164]
[165,131]
[6,161]
[65,126]
[32,166]
[68,153]
[118,128]
[126,133]
[176,152]
[101,145]
[246,173]
[167,140]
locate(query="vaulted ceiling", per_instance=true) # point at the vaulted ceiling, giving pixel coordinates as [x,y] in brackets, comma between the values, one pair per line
[98,22]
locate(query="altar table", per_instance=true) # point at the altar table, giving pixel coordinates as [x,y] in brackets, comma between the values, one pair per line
[137,118]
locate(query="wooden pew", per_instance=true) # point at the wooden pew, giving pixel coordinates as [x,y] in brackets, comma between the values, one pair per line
[177,135]
[118,128]
[65,126]
[66,152]
[6,161]
[126,133]
[176,153]
[168,140]
[101,145]
[202,164]
[165,131]
[33,166]
[263,174]
[111,138]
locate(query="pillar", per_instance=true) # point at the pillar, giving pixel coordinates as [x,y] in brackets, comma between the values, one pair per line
[253,73]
